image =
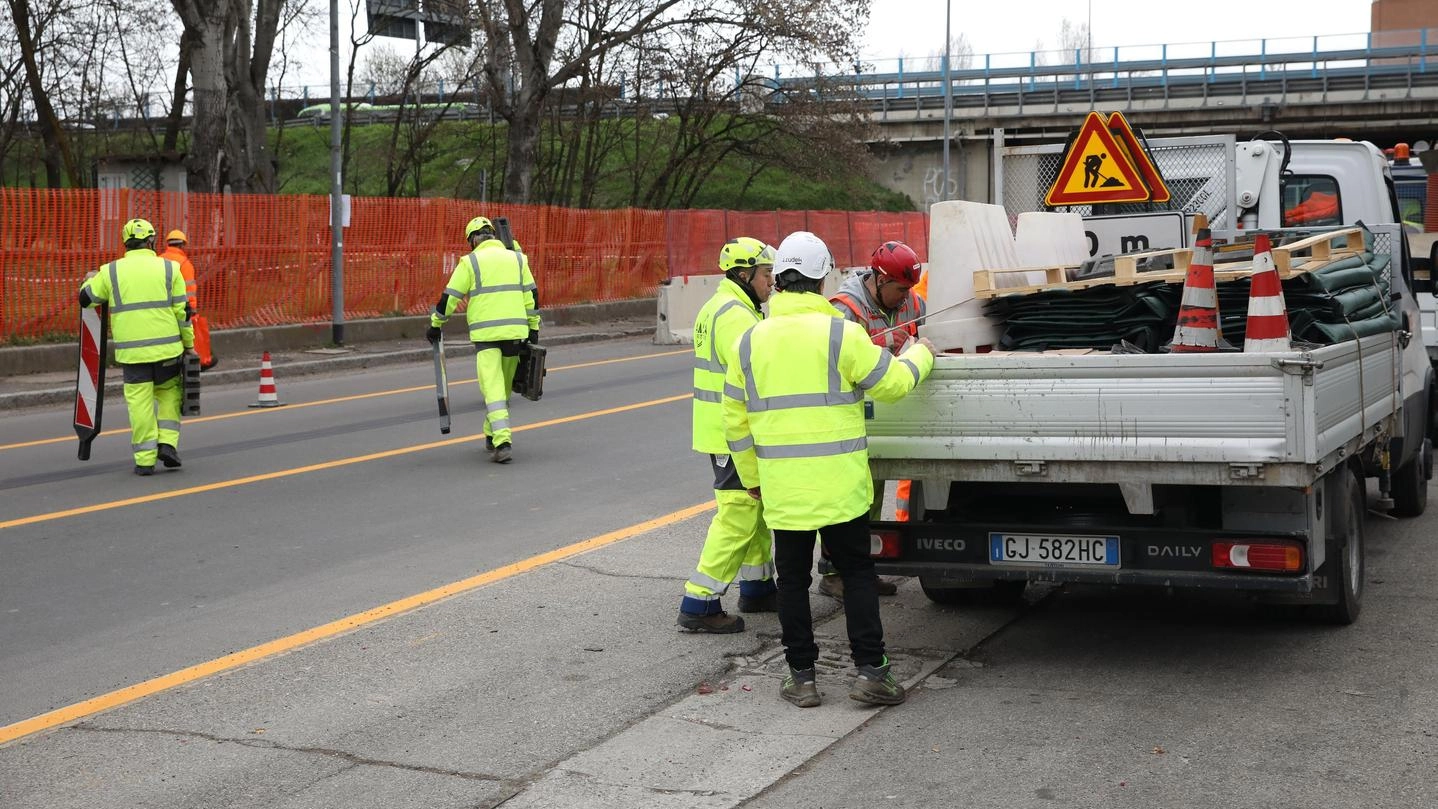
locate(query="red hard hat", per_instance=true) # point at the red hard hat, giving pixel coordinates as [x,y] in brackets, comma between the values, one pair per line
[898,261]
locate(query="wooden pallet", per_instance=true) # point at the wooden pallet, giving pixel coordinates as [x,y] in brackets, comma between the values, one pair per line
[1323,248]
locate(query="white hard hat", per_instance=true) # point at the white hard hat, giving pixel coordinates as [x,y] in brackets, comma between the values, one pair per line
[805,252]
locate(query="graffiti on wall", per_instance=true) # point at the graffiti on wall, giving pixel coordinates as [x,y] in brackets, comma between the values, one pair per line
[934,186]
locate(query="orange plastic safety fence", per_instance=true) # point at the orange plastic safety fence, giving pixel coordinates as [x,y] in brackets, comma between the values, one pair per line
[265,260]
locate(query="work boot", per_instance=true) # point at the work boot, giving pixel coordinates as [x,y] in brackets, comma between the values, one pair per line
[769,602]
[799,688]
[834,586]
[876,685]
[501,453]
[716,623]
[489,443]
[145,471]
[168,456]
[214,360]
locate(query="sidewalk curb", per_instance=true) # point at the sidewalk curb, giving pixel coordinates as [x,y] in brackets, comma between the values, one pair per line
[66,395]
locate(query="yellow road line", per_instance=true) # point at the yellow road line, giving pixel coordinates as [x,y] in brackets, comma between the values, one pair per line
[374,456]
[114,699]
[336,400]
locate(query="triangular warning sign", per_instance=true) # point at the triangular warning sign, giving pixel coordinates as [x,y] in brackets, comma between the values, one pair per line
[1096,169]
[1118,125]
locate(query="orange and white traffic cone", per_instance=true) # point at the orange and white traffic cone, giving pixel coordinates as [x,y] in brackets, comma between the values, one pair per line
[1198,314]
[269,396]
[1267,328]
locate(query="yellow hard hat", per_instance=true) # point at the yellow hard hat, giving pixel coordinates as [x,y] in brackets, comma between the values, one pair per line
[744,253]
[137,229]
[177,236]
[477,224]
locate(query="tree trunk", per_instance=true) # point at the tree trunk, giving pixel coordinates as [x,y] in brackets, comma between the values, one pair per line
[522,152]
[207,161]
[177,106]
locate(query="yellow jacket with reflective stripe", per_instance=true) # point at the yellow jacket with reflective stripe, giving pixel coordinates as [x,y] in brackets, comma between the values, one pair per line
[717,329]
[500,289]
[148,317]
[794,410]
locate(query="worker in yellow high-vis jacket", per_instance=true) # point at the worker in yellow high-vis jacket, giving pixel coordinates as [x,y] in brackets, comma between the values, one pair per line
[794,422]
[738,542]
[150,332]
[502,316]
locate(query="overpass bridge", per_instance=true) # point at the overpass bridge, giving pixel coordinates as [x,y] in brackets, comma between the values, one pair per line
[1381,87]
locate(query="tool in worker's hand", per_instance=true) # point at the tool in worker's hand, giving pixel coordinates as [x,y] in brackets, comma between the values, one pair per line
[90,378]
[924,316]
[441,384]
[529,376]
[502,231]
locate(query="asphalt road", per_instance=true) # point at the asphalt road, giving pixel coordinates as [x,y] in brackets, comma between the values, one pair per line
[545,671]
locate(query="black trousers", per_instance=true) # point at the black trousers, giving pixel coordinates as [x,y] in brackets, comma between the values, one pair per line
[848,547]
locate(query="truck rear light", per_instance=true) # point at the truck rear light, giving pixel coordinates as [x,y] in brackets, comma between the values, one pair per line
[1282,555]
[884,544]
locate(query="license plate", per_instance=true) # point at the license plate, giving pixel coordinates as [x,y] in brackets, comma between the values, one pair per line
[1049,549]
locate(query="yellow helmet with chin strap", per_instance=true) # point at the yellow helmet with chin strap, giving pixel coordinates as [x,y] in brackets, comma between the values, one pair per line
[137,230]
[744,253]
[476,225]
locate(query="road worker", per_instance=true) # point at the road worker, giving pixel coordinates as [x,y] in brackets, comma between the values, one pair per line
[150,330]
[175,243]
[794,423]
[738,541]
[879,299]
[502,316]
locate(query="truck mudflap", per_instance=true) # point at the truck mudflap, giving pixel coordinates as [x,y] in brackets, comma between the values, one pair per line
[1172,557]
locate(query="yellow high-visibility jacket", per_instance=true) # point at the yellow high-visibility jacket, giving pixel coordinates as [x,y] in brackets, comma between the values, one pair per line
[149,320]
[717,329]
[500,289]
[794,410]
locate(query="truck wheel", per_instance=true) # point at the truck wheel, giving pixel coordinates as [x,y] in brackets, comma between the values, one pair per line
[1344,565]
[1410,483]
[999,593]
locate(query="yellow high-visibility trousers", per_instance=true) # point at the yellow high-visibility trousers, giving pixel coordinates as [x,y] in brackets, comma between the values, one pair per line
[154,408]
[738,545]
[496,376]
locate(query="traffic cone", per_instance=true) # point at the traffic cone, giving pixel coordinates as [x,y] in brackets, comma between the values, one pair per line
[1267,328]
[1198,321]
[269,396]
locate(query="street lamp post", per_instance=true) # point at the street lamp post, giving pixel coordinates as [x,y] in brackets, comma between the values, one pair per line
[337,250]
[948,99]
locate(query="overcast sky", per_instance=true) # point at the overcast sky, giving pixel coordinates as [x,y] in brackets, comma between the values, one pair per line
[917,26]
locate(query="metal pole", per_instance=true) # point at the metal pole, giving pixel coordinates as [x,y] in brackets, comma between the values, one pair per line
[948,99]
[337,250]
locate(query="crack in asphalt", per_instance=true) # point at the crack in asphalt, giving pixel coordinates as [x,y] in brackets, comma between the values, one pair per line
[266,744]
[614,575]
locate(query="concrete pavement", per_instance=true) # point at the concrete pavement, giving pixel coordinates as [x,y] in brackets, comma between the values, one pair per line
[555,678]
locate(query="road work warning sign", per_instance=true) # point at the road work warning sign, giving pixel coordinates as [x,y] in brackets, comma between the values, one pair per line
[1097,168]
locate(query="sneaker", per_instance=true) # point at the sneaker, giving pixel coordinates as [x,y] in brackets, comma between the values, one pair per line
[799,688]
[169,457]
[502,453]
[145,471]
[716,623]
[876,686]
[765,603]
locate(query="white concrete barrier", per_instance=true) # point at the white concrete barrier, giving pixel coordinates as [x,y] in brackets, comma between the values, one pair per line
[681,299]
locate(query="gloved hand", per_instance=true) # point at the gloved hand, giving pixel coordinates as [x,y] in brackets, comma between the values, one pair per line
[533,336]
[432,335]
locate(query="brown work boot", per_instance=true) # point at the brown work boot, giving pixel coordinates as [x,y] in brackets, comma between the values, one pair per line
[717,623]
[833,586]
[502,453]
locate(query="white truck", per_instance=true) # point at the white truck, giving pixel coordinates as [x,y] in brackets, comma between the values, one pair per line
[1245,472]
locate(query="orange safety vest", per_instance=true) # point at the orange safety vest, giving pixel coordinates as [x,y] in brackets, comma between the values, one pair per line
[905,318]
[192,288]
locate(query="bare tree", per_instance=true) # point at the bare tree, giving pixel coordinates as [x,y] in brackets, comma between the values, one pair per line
[1074,41]
[33,30]
[233,41]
